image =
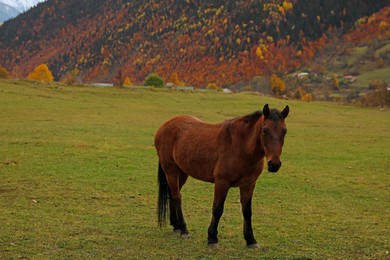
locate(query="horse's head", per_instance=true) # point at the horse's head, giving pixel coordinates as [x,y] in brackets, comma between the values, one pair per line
[272,135]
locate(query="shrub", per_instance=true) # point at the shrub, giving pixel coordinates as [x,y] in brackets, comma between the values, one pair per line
[261,84]
[248,88]
[379,94]
[154,80]
[71,78]
[213,86]
[308,97]
[3,73]
[299,93]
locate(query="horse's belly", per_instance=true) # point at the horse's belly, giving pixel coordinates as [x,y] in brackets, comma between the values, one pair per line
[198,167]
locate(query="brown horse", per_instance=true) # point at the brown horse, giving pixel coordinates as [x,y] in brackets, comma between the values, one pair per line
[229,154]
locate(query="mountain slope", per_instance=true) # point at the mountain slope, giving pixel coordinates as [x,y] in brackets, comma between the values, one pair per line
[200,41]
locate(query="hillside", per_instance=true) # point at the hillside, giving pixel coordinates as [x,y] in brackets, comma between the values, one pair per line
[200,42]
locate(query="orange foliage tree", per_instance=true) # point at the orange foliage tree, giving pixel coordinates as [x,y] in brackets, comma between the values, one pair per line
[3,73]
[174,78]
[42,74]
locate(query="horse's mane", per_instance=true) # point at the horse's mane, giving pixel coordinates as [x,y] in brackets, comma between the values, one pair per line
[274,115]
[252,117]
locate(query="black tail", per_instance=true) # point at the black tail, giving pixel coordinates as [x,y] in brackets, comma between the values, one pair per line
[164,195]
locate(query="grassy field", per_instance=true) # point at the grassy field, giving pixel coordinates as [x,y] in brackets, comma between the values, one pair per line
[364,79]
[78,178]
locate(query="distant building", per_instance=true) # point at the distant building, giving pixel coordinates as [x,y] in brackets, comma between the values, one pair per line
[350,78]
[102,84]
[302,75]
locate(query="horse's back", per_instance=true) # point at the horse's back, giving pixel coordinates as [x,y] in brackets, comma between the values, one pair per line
[182,130]
[170,130]
[187,141]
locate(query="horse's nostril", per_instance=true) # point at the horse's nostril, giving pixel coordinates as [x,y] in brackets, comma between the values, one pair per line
[274,167]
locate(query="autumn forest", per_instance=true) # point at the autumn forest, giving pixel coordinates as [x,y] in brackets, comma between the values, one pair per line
[190,42]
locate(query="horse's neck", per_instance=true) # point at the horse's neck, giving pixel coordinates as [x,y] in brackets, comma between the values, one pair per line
[254,141]
[250,137]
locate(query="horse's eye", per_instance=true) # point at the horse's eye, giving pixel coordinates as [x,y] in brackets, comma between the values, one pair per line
[265,131]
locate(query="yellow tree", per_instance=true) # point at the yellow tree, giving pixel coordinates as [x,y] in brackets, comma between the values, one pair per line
[259,53]
[42,74]
[277,84]
[287,6]
[3,73]
[127,82]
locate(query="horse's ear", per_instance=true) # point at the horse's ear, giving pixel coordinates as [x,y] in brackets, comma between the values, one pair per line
[266,111]
[285,111]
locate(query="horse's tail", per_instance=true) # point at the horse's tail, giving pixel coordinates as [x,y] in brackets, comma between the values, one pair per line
[164,196]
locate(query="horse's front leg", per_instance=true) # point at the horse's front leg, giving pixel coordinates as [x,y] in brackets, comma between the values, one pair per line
[221,189]
[246,205]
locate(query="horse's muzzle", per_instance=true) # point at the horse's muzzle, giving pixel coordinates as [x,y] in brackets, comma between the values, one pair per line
[274,167]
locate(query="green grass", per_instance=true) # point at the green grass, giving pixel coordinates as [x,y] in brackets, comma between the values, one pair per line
[78,178]
[382,50]
[364,79]
[356,55]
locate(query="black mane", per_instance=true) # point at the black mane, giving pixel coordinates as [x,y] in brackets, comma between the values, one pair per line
[253,117]
[274,115]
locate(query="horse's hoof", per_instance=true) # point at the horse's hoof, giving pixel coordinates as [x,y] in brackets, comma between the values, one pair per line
[213,246]
[254,246]
[185,236]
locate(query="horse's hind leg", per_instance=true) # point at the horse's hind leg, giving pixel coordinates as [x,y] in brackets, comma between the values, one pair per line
[174,221]
[176,179]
